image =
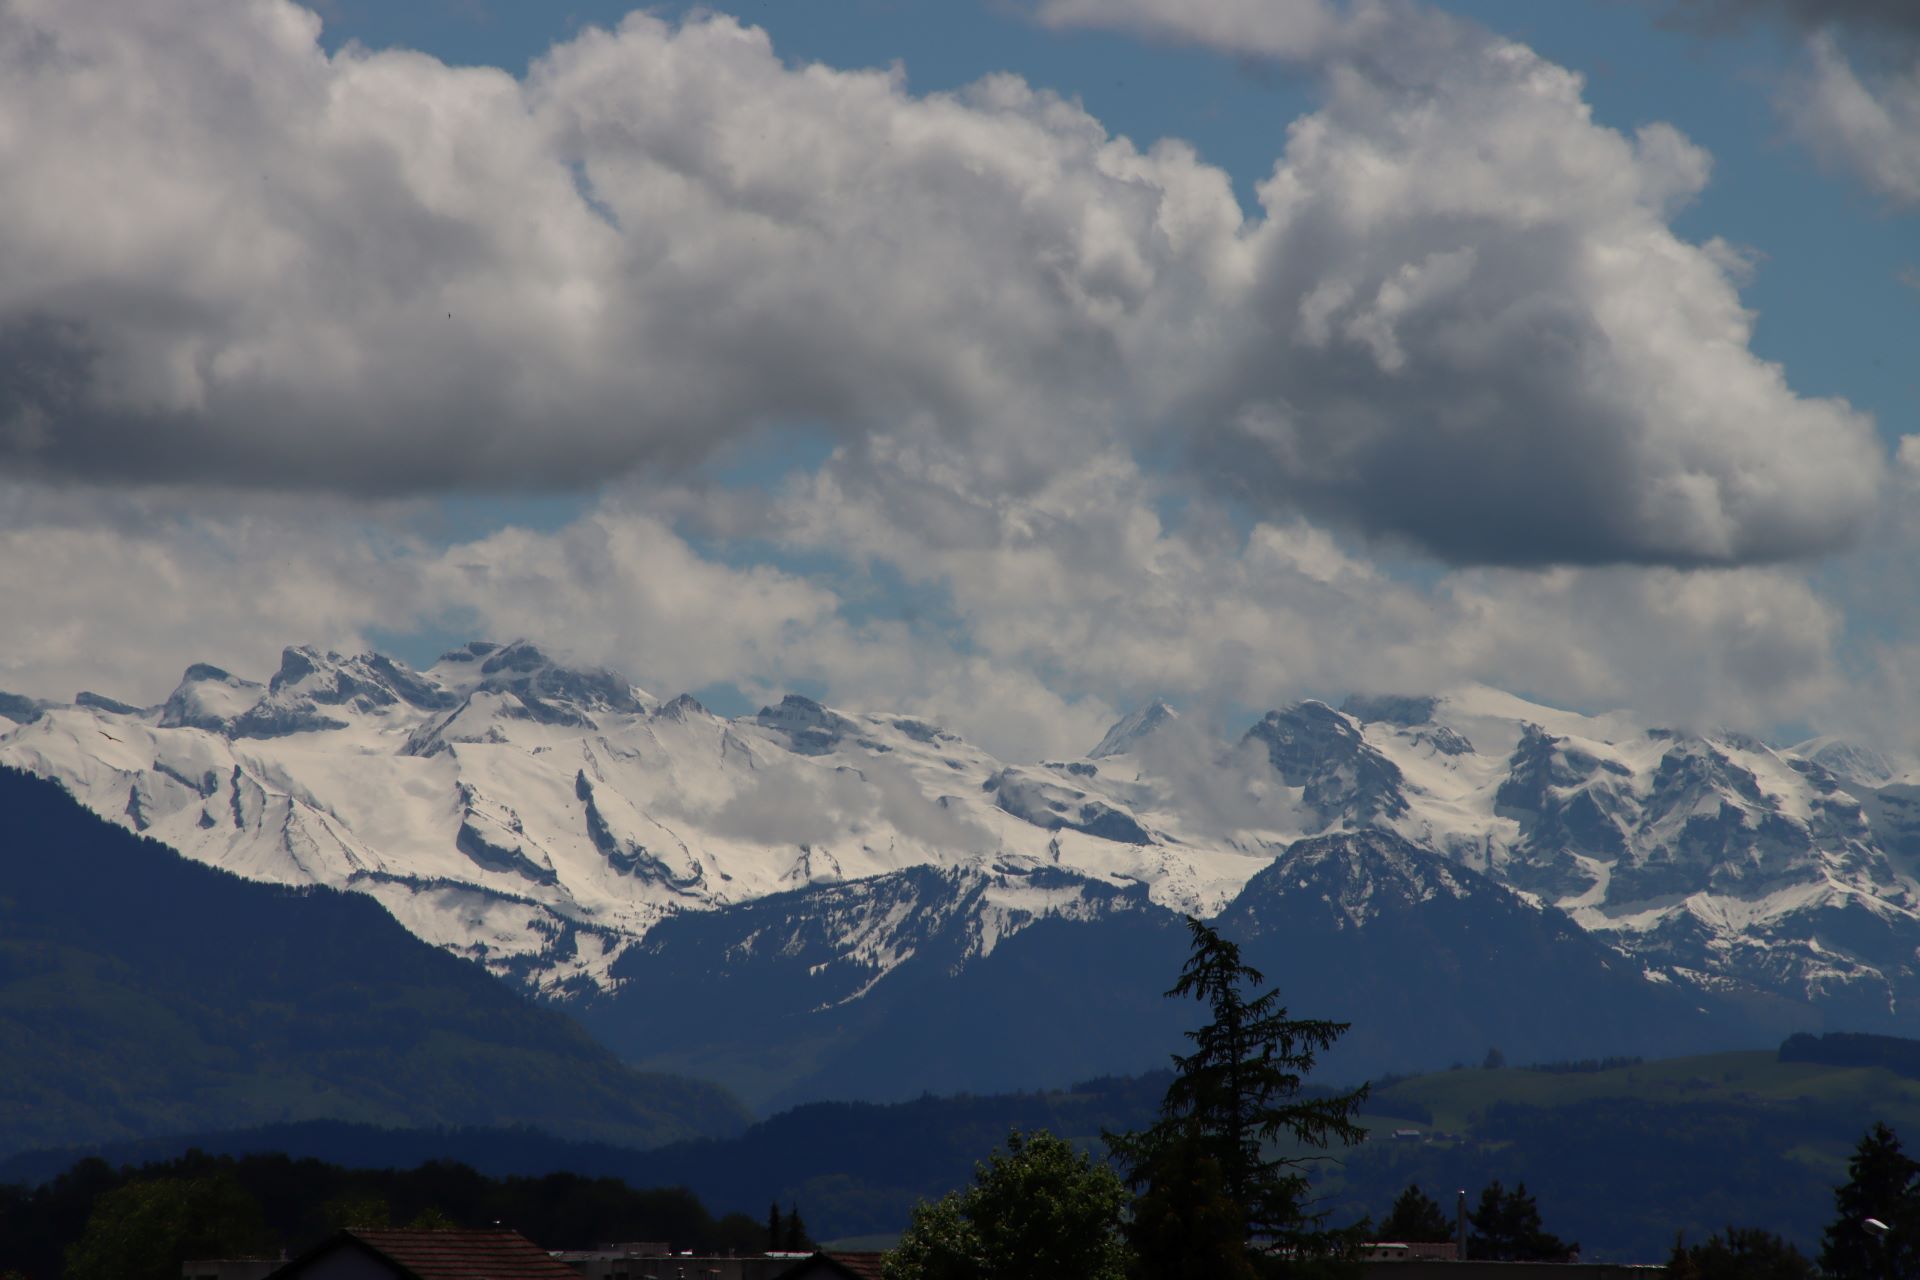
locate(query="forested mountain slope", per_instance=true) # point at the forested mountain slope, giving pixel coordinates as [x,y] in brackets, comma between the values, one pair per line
[142,993]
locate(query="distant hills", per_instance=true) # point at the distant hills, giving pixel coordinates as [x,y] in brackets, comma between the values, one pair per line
[144,994]
[1620,1157]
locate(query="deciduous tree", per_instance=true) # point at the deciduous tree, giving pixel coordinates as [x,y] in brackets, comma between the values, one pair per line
[1039,1210]
[145,1230]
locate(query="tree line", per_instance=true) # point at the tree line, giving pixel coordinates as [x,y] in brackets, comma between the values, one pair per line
[95,1222]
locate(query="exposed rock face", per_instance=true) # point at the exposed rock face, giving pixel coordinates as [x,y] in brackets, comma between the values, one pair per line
[1053,807]
[1344,779]
[808,727]
[1130,732]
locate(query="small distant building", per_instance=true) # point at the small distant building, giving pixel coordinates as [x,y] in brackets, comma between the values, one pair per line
[420,1254]
[656,1262]
[1406,1266]
[230,1268]
[1408,1251]
[618,1262]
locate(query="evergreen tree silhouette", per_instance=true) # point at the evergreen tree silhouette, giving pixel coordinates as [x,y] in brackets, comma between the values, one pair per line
[1506,1228]
[1417,1219]
[796,1239]
[1880,1185]
[1214,1202]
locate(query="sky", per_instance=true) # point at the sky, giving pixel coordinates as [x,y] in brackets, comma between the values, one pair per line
[1010,363]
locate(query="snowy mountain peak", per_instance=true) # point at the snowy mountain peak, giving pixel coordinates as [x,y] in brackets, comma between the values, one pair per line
[1344,778]
[209,698]
[368,680]
[1849,761]
[1131,730]
[810,728]
[684,707]
[548,688]
[1361,874]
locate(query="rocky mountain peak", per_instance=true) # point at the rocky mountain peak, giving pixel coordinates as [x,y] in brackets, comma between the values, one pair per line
[210,698]
[545,690]
[1131,730]
[684,707]
[810,728]
[1350,879]
[1344,779]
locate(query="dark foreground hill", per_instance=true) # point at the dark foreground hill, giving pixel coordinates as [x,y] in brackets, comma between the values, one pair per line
[143,994]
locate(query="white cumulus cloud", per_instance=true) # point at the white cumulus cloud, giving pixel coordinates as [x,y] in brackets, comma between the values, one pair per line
[1460,319]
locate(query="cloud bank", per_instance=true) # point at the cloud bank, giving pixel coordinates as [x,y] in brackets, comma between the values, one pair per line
[1460,320]
[1097,431]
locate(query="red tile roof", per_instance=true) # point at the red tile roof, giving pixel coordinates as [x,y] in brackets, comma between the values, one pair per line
[866,1266]
[461,1254]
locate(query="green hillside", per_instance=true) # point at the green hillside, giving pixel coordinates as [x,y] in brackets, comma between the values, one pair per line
[1755,1079]
[1619,1159]
[142,994]
[1623,1158]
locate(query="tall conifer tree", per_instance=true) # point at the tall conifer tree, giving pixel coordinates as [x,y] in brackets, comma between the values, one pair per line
[1416,1218]
[1214,1200]
[1880,1185]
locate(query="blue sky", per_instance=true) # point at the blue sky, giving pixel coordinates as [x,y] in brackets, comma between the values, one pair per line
[930,392]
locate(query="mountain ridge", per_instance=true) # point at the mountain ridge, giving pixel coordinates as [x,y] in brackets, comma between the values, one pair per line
[549,820]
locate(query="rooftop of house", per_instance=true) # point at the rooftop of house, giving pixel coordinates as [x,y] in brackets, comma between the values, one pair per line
[455,1253]
[863,1266]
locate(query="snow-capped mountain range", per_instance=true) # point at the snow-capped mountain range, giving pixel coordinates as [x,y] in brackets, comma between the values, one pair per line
[544,819]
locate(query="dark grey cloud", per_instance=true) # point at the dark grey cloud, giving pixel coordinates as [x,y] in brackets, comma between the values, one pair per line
[1883,16]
